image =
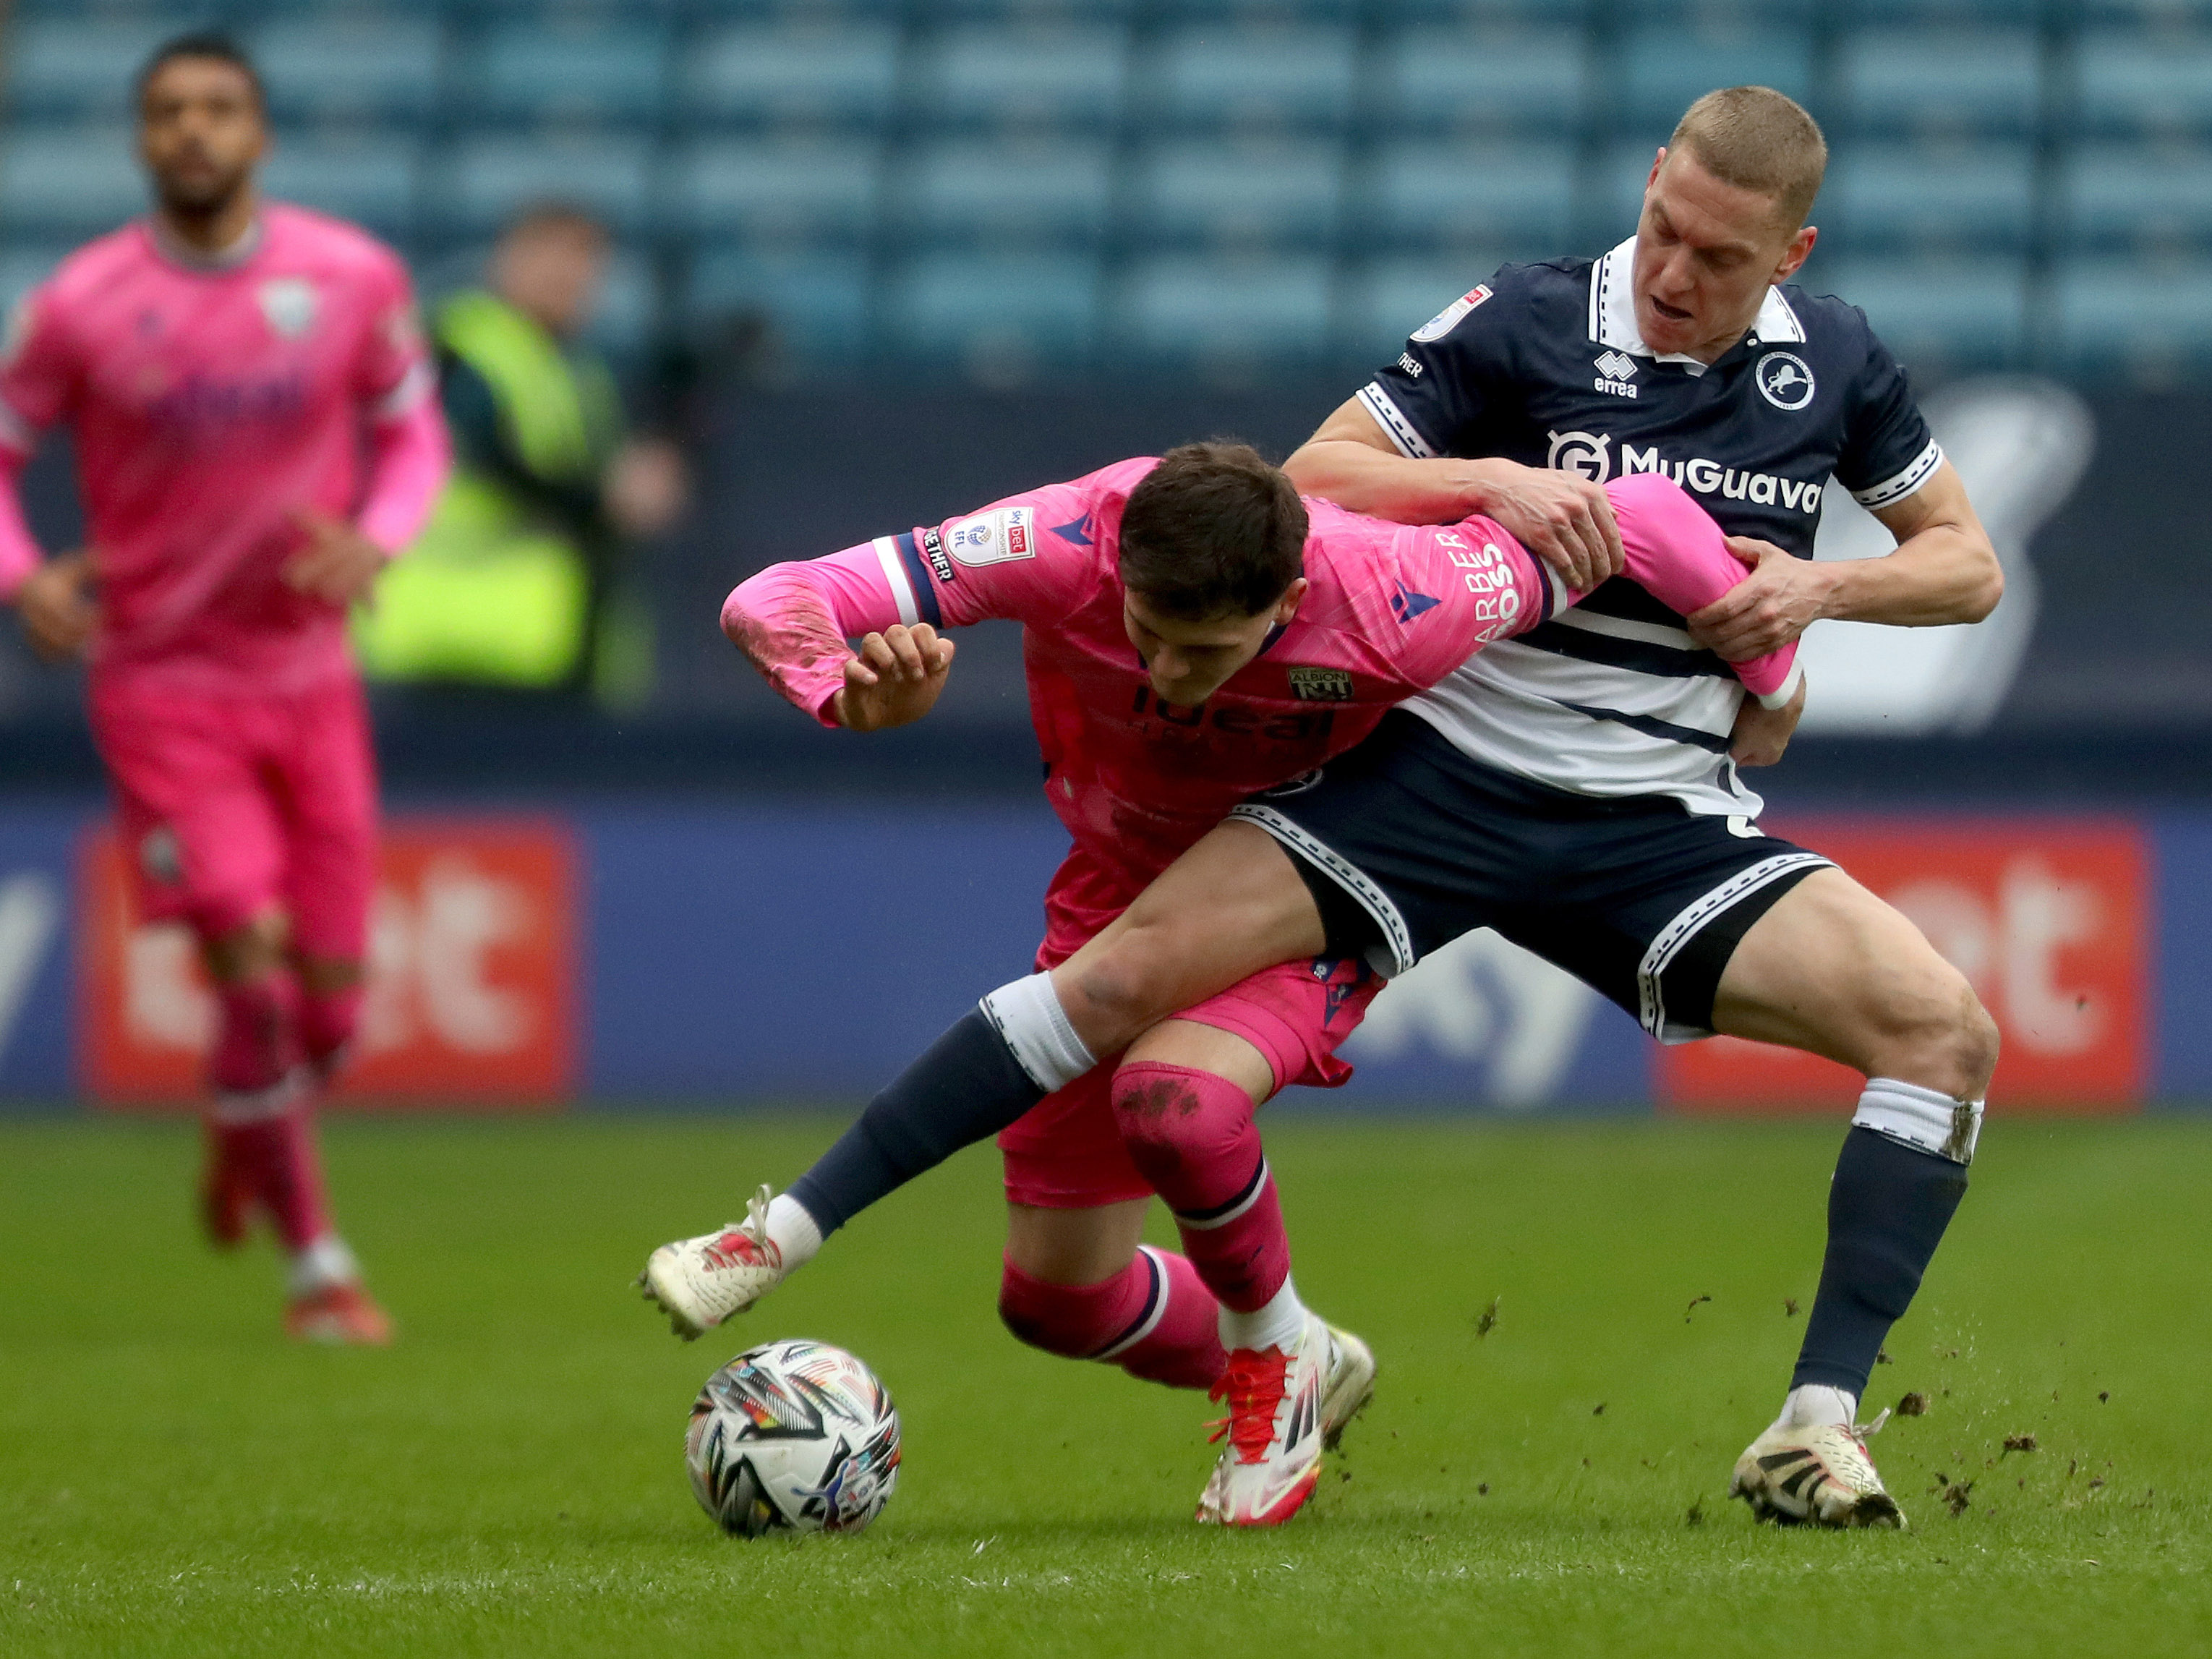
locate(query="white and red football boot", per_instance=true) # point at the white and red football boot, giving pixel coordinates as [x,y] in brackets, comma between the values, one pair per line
[342,1314]
[1816,1474]
[700,1282]
[1284,1410]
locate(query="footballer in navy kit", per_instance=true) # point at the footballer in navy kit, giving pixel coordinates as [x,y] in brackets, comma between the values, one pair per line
[1576,788]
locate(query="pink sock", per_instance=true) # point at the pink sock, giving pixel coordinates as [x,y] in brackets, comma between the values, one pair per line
[262,1117]
[1153,1319]
[327,1019]
[1191,1134]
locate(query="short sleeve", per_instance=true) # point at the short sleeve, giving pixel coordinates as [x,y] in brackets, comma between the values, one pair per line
[38,370]
[1887,452]
[394,373]
[1455,364]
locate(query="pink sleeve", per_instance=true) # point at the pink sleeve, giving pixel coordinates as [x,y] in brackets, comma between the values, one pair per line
[793,620]
[408,457]
[19,553]
[394,355]
[1030,558]
[38,383]
[1678,555]
[1475,583]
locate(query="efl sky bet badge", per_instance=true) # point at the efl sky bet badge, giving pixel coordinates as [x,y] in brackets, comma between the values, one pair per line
[1447,319]
[288,303]
[994,537]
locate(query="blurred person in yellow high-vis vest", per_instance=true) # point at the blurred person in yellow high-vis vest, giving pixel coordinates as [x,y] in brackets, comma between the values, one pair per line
[512,584]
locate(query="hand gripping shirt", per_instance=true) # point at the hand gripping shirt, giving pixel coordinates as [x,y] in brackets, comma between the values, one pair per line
[1545,365]
[209,403]
[1392,610]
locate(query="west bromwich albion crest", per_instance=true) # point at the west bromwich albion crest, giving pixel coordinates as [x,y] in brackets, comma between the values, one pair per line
[290,304]
[1321,685]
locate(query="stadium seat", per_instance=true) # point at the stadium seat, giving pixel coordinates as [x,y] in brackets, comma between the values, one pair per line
[1665,69]
[2149,14]
[754,75]
[1618,187]
[1554,15]
[1222,75]
[1005,317]
[1455,79]
[992,77]
[1941,14]
[1902,80]
[2130,84]
[1086,13]
[817,303]
[1037,195]
[2127,316]
[480,182]
[77,68]
[768,191]
[1895,196]
[1205,192]
[556,70]
[1428,194]
[2114,197]
[351,66]
[1387,300]
[1229,313]
[1954,314]
[372,182]
[59,182]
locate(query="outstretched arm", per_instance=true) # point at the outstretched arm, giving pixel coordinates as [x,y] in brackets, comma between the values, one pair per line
[793,622]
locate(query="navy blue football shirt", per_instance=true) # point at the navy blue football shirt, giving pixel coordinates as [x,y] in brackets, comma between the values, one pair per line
[1545,365]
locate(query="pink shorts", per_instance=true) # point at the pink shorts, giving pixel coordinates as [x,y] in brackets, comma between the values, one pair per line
[1066,1153]
[232,807]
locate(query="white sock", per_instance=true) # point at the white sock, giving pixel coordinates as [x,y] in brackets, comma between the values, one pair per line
[323,1263]
[1924,1118]
[1277,1325]
[1028,1015]
[793,1231]
[1815,1403]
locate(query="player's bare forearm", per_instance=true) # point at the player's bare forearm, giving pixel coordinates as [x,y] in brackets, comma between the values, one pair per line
[1565,521]
[1944,571]
[1761,735]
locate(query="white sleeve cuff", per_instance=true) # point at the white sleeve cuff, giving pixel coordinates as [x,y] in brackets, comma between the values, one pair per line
[1387,416]
[1780,698]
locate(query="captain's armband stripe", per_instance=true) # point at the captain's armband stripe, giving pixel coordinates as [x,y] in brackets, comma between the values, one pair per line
[887,555]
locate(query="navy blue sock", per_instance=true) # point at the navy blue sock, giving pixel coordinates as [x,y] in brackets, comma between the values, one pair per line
[1887,1209]
[965,1089]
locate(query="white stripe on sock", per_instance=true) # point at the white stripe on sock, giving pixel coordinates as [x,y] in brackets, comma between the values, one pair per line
[1028,1015]
[1926,1119]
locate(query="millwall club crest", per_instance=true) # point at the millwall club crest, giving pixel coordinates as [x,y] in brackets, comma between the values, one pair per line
[1321,685]
[1784,380]
[288,303]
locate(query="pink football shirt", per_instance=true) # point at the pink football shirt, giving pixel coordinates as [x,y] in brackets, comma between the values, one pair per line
[209,403]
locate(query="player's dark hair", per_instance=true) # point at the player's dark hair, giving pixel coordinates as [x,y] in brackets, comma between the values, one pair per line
[1212,532]
[211,44]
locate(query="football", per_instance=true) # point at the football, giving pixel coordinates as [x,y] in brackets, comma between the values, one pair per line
[792,1437]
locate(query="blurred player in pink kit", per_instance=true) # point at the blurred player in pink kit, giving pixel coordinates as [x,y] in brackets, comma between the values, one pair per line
[1194,634]
[257,432]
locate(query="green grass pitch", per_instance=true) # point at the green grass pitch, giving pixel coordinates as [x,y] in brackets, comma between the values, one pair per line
[176,1480]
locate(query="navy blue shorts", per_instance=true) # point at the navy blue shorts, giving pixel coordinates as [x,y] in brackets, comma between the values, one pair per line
[1406,843]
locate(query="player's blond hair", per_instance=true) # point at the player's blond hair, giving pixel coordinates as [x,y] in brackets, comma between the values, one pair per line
[1758,139]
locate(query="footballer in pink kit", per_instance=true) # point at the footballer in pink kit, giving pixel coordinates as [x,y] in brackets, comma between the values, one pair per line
[257,432]
[1194,634]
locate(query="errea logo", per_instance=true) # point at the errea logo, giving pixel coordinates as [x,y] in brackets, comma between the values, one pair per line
[1619,370]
